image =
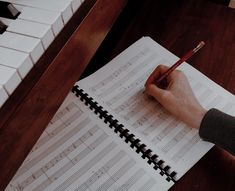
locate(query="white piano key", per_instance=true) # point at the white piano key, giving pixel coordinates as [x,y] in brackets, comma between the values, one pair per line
[3,96]
[51,18]
[9,79]
[32,29]
[32,46]
[53,5]
[75,4]
[15,59]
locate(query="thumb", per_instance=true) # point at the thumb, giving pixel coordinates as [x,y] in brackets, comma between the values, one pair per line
[156,92]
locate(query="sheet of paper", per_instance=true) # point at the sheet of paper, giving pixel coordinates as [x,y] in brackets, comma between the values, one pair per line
[78,151]
[119,88]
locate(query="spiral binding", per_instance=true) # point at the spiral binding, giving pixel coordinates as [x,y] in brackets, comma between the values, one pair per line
[152,159]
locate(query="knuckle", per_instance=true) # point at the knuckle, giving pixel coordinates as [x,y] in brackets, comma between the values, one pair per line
[164,95]
[160,66]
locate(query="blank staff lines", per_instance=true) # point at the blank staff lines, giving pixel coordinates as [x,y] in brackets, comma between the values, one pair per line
[218,99]
[205,94]
[228,106]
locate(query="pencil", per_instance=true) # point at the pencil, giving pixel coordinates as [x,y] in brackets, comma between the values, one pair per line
[180,61]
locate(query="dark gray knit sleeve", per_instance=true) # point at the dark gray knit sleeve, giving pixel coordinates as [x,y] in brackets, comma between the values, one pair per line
[219,128]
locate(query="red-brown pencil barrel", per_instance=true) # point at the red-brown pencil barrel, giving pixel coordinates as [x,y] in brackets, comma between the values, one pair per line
[180,61]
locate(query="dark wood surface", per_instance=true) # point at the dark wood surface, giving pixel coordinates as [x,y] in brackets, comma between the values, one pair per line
[28,111]
[177,25]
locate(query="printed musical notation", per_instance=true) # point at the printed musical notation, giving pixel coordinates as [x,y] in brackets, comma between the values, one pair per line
[135,59]
[75,153]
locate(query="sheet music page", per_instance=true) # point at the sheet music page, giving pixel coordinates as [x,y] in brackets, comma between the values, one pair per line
[79,152]
[119,88]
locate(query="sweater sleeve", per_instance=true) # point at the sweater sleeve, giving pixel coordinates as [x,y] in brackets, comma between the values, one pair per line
[219,128]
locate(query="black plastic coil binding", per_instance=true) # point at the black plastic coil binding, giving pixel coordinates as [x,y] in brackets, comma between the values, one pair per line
[124,133]
[94,105]
[158,164]
[118,128]
[130,138]
[113,122]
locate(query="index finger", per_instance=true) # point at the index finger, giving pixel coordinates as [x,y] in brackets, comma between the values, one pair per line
[160,69]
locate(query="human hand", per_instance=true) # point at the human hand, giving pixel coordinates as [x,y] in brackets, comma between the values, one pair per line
[177,97]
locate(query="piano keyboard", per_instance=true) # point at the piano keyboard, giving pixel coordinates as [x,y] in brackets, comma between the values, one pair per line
[26,35]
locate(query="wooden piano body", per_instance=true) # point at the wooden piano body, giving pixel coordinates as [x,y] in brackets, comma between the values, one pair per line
[31,106]
[177,25]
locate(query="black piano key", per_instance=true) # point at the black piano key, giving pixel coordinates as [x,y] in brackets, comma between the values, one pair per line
[7,10]
[3,27]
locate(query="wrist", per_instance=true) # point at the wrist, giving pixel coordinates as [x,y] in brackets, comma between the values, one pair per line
[197,117]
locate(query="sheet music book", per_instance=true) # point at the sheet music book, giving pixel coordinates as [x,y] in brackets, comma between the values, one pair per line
[109,135]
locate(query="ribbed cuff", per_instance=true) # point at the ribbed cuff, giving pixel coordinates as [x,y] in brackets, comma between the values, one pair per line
[219,128]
